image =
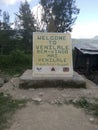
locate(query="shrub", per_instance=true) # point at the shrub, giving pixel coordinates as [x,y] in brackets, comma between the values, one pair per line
[17,61]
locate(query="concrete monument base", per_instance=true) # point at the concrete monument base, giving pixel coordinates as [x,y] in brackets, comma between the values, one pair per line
[28,81]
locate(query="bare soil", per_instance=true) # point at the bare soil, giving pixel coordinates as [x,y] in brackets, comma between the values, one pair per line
[47,108]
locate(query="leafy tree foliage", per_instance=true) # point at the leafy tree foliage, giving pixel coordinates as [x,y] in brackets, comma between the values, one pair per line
[5,33]
[9,38]
[27,24]
[9,42]
[5,24]
[0,20]
[62,13]
[6,20]
[27,20]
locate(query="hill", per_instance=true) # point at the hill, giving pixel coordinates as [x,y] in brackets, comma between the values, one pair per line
[84,41]
[96,37]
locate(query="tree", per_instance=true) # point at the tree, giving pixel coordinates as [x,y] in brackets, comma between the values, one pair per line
[63,12]
[27,24]
[6,20]
[0,20]
[51,27]
[5,31]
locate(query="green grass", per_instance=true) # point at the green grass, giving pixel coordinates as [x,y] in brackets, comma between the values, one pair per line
[7,107]
[14,70]
[90,108]
[15,63]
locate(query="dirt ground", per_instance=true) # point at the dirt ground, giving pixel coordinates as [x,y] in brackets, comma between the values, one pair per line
[47,108]
[51,117]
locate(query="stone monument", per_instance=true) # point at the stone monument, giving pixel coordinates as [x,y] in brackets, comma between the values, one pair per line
[52,63]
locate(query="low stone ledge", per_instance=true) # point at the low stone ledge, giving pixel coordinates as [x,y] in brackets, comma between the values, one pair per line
[28,81]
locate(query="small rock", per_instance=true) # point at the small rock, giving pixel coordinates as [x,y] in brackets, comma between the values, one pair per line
[31,89]
[12,83]
[55,101]
[5,95]
[91,119]
[64,95]
[11,80]
[75,100]
[41,94]
[37,99]
[60,103]
[52,102]
[24,97]
[58,97]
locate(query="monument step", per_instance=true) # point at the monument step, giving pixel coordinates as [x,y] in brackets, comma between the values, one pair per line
[27,80]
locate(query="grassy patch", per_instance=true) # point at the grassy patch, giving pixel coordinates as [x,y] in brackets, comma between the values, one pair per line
[91,108]
[14,70]
[7,107]
[15,63]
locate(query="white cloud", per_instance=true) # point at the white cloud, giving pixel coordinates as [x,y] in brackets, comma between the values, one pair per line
[87,30]
[11,2]
[38,12]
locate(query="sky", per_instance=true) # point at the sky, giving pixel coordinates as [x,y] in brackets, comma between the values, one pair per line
[86,25]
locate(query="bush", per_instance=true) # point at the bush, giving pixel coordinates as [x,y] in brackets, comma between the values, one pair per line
[17,61]
[17,57]
[4,60]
